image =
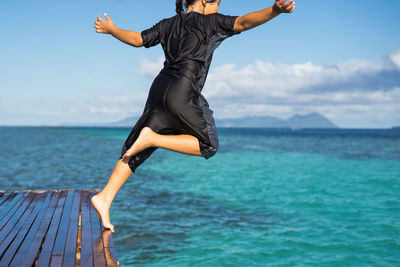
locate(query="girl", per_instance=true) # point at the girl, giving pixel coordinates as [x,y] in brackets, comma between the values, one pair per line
[176,115]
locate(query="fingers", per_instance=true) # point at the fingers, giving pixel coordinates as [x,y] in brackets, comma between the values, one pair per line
[106,16]
[97,25]
[285,7]
[288,6]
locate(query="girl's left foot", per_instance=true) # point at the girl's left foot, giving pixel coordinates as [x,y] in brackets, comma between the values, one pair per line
[143,141]
[103,210]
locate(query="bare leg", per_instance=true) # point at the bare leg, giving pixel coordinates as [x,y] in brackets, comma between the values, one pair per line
[183,143]
[102,201]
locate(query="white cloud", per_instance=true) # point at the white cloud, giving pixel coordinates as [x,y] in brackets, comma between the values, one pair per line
[100,108]
[355,93]
[149,68]
[395,58]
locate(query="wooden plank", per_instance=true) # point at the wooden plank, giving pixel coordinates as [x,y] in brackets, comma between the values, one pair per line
[72,235]
[109,251]
[4,197]
[59,245]
[31,253]
[17,235]
[86,243]
[6,234]
[45,254]
[10,209]
[97,240]
[52,218]
[29,229]
[27,242]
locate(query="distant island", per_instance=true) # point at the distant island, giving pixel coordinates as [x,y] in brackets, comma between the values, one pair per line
[297,121]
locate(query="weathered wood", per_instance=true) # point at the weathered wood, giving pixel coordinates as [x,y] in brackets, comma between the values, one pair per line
[10,209]
[30,255]
[99,259]
[72,236]
[33,225]
[17,234]
[59,245]
[4,197]
[53,228]
[10,229]
[86,245]
[44,258]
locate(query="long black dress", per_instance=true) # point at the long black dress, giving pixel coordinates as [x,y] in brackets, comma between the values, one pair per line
[175,104]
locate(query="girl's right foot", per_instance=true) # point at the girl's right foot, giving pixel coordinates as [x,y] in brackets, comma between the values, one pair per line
[144,140]
[103,210]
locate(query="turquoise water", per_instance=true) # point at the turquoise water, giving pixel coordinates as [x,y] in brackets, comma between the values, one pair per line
[267,198]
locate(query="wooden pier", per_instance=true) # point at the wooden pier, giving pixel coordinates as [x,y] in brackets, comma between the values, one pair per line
[53,228]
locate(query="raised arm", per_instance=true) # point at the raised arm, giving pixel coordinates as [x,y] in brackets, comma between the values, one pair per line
[107,26]
[257,18]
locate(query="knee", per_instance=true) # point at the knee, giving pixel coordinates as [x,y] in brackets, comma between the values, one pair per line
[208,150]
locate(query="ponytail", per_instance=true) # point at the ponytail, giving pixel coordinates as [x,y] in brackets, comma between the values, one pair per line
[179,6]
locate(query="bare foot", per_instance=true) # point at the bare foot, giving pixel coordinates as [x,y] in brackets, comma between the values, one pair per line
[143,141]
[103,211]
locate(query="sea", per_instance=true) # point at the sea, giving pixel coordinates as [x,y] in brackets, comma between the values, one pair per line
[269,197]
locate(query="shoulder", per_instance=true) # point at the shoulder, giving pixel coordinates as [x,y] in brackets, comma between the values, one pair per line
[166,21]
[222,23]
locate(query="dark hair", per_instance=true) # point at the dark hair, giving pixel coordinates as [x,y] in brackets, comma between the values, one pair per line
[179,4]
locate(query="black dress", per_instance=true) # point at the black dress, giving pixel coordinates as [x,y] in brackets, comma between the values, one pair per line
[175,104]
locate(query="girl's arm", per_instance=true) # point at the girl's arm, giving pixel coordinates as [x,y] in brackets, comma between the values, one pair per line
[257,18]
[107,26]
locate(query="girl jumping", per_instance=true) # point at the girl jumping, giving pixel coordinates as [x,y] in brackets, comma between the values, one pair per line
[176,116]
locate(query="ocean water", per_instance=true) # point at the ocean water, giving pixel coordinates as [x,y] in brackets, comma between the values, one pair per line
[269,197]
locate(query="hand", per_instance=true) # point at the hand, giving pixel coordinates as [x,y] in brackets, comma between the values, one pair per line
[104,26]
[283,7]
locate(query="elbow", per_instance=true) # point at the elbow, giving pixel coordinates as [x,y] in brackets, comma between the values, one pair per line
[240,25]
[137,40]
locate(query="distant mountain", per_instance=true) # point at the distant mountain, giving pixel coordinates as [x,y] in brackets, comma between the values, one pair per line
[255,121]
[128,122]
[311,120]
[297,121]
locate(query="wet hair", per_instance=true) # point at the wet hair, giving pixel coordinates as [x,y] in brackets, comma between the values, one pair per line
[180,3]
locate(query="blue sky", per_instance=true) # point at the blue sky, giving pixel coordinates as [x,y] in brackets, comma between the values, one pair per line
[340,58]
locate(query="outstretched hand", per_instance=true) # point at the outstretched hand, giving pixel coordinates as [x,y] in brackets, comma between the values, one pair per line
[104,26]
[283,7]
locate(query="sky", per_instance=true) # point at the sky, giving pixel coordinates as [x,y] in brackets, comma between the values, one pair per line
[339,58]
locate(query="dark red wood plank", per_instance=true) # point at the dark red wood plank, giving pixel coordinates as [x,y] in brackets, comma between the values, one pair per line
[30,255]
[29,238]
[7,234]
[45,254]
[72,235]
[86,237]
[59,245]
[97,239]
[11,208]
[17,234]
[52,217]
[3,199]
[109,252]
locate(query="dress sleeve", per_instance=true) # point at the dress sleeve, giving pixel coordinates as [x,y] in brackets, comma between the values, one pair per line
[224,24]
[152,36]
